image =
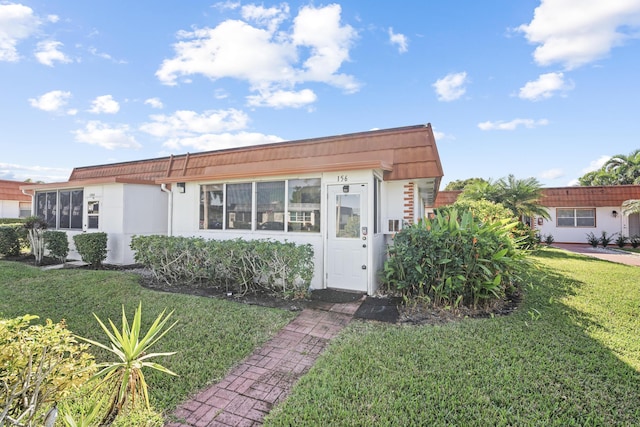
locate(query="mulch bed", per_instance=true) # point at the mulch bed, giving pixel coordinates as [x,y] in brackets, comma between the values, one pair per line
[388,309]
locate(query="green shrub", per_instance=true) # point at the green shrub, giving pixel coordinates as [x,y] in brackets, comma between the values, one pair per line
[240,266]
[41,364]
[454,259]
[621,240]
[92,247]
[593,240]
[12,221]
[605,239]
[548,239]
[635,241]
[57,243]
[9,242]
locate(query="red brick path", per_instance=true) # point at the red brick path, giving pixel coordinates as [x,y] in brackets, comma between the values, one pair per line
[262,380]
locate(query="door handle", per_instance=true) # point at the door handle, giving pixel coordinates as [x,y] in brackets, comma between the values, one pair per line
[364,246]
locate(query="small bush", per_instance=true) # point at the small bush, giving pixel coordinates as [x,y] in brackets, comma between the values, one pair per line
[593,240]
[40,364]
[9,241]
[454,259]
[57,243]
[605,239]
[621,241]
[92,247]
[635,241]
[548,239]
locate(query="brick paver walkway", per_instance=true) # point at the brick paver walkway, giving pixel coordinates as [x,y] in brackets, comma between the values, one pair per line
[262,380]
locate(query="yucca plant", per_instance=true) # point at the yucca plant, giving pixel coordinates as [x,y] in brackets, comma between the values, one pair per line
[132,351]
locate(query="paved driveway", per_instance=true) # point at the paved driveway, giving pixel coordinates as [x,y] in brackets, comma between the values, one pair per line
[608,254]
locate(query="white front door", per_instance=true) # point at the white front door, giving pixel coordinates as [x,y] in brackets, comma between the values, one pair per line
[347,241]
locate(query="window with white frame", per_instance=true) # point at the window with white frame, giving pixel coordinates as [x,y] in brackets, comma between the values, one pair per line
[576,217]
[25,209]
[292,206]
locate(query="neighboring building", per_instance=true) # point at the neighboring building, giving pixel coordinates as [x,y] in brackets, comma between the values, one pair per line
[577,211]
[13,203]
[345,195]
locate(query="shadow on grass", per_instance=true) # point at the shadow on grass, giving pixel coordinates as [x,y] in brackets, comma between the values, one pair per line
[539,366]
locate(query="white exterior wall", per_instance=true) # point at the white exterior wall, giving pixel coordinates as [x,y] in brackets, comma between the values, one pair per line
[125,210]
[9,209]
[604,222]
[185,219]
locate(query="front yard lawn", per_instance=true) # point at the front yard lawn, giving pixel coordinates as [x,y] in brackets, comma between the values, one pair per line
[210,337]
[570,355]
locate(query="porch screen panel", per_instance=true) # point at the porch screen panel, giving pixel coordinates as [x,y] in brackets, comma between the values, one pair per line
[239,210]
[304,205]
[270,205]
[76,208]
[211,206]
[46,207]
[64,209]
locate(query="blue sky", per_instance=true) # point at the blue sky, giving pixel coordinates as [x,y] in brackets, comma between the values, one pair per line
[539,89]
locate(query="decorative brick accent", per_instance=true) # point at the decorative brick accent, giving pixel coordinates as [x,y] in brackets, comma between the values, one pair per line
[409,194]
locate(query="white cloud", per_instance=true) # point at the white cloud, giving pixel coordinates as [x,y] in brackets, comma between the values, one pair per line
[186,123]
[451,86]
[270,18]
[51,101]
[282,98]
[439,136]
[220,141]
[227,5]
[400,40]
[552,174]
[154,103]
[53,18]
[269,58]
[104,104]
[35,173]
[513,124]
[577,32]
[47,52]
[17,22]
[545,87]
[596,164]
[92,50]
[106,136]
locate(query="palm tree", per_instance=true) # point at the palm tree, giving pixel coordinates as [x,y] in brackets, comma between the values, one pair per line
[597,177]
[630,207]
[626,169]
[520,196]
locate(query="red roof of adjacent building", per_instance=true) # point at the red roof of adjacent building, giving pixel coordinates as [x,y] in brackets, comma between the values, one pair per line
[10,190]
[569,197]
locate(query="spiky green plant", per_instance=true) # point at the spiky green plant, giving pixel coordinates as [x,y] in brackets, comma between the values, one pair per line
[132,351]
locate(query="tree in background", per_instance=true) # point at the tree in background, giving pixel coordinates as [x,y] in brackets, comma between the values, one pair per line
[461,184]
[520,196]
[618,170]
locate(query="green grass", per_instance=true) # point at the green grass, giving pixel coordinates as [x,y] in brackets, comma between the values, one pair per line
[210,337]
[570,355]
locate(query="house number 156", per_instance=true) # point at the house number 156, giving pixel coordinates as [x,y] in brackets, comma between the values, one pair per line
[342,178]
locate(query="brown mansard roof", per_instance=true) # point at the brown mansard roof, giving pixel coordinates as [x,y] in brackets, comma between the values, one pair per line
[10,190]
[402,153]
[569,197]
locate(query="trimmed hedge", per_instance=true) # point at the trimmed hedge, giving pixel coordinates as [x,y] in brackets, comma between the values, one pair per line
[11,221]
[57,243]
[9,241]
[240,265]
[92,247]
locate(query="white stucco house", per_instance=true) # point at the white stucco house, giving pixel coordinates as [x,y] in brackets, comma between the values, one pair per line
[577,211]
[345,195]
[13,203]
